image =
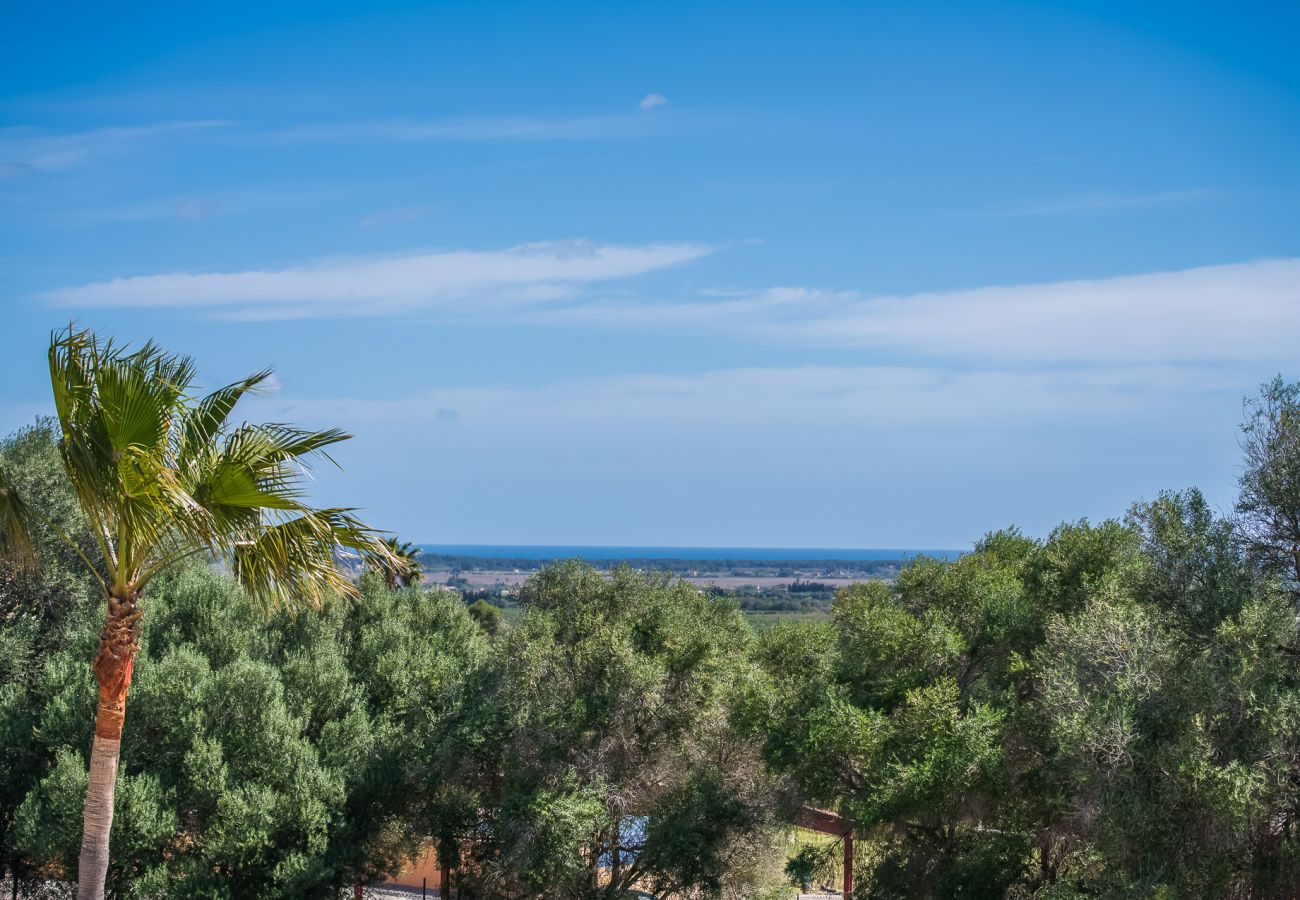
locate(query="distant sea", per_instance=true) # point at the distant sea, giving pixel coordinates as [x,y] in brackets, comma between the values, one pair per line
[757,554]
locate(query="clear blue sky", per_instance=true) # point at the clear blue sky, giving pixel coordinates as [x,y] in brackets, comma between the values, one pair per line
[688,274]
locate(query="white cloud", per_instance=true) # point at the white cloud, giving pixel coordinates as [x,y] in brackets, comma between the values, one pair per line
[25,150]
[1238,312]
[508,128]
[457,282]
[1109,201]
[183,209]
[650,101]
[394,216]
[1214,314]
[193,207]
[834,398]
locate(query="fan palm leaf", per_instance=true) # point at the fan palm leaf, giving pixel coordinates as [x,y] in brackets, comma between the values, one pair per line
[400,567]
[161,475]
[15,526]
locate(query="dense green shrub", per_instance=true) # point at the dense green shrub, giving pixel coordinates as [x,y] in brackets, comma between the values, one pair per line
[1111,711]
[265,755]
[608,726]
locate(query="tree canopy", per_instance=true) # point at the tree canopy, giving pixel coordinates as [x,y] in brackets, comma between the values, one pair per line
[606,753]
[266,758]
[1112,710]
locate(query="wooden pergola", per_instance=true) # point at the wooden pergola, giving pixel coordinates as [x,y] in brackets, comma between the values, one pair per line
[826,822]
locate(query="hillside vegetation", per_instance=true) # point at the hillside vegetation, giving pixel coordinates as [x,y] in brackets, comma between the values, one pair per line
[1112,710]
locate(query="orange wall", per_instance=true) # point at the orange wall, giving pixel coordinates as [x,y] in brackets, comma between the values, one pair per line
[424,866]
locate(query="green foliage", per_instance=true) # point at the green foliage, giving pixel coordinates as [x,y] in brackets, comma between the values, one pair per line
[159,475]
[488,617]
[287,755]
[263,758]
[1110,711]
[886,649]
[976,864]
[1113,711]
[1195,571]
[1269,503]
[42,610]
[400,567]
[607,719]
[809,862]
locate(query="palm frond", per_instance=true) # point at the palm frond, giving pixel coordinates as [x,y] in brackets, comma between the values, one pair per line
[294,562]
[162,475]
[16,545]
[297,444]
[205,421]
[399,565]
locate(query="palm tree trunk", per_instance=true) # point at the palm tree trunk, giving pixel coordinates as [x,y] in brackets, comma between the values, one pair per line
[113,666]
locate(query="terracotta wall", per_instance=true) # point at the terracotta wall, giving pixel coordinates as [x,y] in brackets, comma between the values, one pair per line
[424,867]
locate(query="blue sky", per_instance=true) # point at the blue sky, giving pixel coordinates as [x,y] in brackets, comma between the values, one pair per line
[833,275]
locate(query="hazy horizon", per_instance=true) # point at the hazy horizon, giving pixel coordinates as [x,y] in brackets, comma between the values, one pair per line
[619,551]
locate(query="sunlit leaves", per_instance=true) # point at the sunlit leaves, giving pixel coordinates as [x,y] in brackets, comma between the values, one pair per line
[15,525]
[162,474]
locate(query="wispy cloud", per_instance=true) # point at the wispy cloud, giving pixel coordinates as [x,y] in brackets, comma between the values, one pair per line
[1232,312]
[193,207]
[754,398]
[650,101]
[1213,314]
[196,208]
[26,150]
[1109,201]
[458,282]
[516,128]
[394,216]
[863,455]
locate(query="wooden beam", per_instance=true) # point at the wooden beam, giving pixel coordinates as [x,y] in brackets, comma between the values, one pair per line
[848,864]
[827,822]
[821,820]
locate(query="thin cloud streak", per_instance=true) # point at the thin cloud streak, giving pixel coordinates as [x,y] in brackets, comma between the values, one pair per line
[840,398]
[1240,312]
[1222,314]
[518,128]
[1109,201]
[1017,446]
[455,283]
[26,150]
[394,216]
[1229,313]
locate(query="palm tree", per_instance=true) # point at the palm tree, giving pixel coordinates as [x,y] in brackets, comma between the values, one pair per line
[401,567]
[162,475]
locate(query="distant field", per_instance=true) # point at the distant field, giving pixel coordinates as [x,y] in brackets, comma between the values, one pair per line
[491,578]
[759,621]
[732,582]
[766,621]
[479,579]
[536,553]
[768,591]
